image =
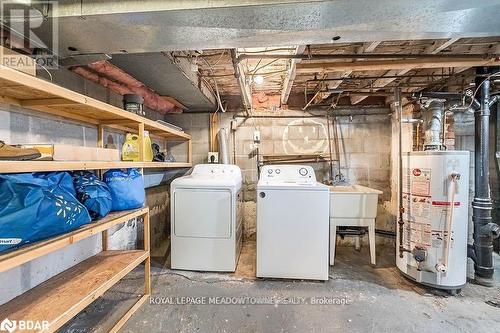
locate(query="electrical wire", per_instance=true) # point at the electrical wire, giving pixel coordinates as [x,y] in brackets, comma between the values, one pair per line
[45,69]
[217,95]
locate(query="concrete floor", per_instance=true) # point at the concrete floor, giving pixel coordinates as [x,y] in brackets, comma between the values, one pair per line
[372,299]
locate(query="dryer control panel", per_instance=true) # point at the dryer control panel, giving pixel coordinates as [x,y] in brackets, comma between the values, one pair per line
[216,170]
[288,173]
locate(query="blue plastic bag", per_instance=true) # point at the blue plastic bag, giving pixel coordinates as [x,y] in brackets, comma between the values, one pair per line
[93,193]
[126,187]
[36,206]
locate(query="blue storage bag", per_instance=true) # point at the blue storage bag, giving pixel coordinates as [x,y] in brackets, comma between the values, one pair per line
[126,187]
[93,193]
[36,206]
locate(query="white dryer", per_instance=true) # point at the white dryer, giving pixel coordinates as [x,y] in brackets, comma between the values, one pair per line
[206,218]
[292,223]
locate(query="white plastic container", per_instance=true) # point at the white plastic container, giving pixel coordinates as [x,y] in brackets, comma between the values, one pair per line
[353,202]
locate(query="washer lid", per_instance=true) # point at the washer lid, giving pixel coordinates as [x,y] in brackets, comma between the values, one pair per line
[296,186]
[192,182]
[211,176]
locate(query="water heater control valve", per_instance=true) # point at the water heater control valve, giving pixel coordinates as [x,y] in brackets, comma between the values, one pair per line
[419,254]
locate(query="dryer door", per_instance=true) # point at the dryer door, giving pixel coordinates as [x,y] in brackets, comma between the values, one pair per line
[202,213]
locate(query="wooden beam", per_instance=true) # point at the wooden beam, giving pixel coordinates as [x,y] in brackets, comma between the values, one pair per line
[434,49]
[440,45]
[366,48]
[290,75]
[306,68]
[370,47]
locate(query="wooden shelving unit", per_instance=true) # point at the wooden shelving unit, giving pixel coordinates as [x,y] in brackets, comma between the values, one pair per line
[38,166]
[60,298]
[26,91]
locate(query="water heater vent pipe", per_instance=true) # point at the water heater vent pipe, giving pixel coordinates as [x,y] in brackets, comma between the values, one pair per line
[434,124]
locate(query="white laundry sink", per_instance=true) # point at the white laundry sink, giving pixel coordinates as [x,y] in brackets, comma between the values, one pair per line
[353,202]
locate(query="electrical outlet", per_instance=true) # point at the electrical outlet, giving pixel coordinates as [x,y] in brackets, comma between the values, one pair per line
[213,157]
[256,136]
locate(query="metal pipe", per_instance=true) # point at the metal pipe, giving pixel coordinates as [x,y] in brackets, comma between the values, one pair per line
[399,113]
[434,122]
[329,146]
[223,146]
[484,229]
[437,94]
[339,112]
[385,233]
[358,78]
[243,56]
[412,121]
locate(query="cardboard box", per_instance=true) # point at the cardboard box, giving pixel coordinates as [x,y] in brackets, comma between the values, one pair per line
[57,152]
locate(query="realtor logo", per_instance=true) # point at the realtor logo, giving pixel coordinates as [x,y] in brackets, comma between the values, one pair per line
[23,325]
[29,34]
[8,325]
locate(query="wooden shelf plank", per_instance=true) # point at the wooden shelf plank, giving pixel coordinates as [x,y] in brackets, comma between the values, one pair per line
[157,165]
[39,166]
[60,298]
[31,92]
[29,252]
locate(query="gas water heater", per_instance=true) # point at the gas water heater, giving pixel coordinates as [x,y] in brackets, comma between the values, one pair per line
[432,235]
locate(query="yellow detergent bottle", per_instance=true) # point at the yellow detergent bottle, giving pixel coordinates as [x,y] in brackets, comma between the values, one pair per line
[148,149]
[130,149]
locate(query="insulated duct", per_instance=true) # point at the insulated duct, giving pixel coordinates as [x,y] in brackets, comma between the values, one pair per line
[223,147]
[122,83]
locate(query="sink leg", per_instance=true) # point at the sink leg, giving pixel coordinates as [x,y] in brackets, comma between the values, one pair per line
[333,242]
[357,243]
[371,235]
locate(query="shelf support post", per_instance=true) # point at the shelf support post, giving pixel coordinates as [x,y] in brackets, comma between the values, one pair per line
[147,263]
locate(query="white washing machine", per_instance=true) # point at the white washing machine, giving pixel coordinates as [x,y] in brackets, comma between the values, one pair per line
[206,218]
[292,223]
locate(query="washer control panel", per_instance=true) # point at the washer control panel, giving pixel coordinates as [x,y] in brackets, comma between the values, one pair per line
[288,173]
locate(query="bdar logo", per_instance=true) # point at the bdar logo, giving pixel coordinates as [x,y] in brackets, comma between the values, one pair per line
[8,325]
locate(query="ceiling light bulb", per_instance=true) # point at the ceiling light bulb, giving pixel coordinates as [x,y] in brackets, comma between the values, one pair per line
[258,79]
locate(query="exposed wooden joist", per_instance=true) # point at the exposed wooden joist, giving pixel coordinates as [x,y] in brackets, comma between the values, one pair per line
[394,64]
[370,47]
[290,75]
[434,49]
[441,45]
[367,48]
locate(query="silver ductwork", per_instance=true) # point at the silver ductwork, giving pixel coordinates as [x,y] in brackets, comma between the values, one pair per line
[223,147]
[433,124]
